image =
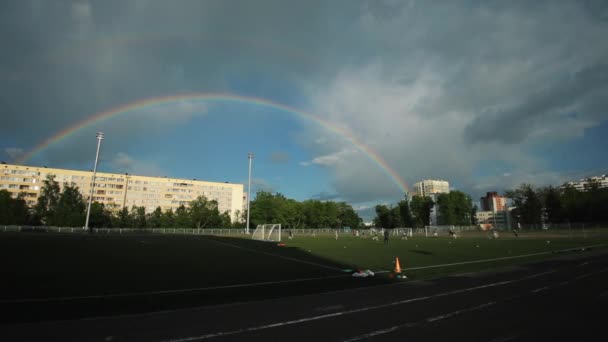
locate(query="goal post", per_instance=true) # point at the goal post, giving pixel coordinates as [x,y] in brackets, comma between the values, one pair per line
[267,232]
[403,232]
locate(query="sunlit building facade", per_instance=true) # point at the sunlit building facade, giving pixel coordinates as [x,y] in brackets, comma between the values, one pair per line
[117,191]
[428,187]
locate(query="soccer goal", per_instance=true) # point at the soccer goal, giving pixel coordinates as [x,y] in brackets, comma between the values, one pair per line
[403,232]
[267,232]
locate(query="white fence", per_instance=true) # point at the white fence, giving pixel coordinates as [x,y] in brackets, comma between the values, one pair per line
[176,231]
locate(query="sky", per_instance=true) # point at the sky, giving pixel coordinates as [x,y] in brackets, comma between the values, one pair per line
[370,95]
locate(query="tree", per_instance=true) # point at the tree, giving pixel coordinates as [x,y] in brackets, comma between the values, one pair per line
[168,219]
[205,213]
[348,216]
[47,201]
[473,216]
[182,218]
[266,208]
[382,219]
[70,209]
[421,209]
[154,219]
[527,203]
[100,217]
[123,219]
[225,220]
[553,204]
[405,213]
[138,217]
[12,210]
[454,208]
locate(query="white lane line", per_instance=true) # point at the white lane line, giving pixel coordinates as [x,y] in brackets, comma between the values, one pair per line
[352,311]
[275,255]
[505,338]
[413,324]
[380,332]
[134,294]
[566,282]
[457,312]
[496,259]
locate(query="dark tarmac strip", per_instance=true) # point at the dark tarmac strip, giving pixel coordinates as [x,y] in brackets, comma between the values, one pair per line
[551,300]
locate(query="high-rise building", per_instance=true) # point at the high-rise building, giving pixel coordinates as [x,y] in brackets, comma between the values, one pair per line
[493,202]
[428,187]
[117,191]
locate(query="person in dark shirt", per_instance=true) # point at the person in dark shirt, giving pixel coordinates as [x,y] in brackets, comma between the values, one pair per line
[385,236]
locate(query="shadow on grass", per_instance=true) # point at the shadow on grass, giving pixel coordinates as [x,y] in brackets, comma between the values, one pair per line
[202,273]
[418,251]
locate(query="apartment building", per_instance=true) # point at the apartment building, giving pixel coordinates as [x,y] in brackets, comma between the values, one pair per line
[117,191]
[582,184]
[428,187]
[493,202]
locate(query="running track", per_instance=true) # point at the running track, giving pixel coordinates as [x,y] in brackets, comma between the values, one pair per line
[561,299]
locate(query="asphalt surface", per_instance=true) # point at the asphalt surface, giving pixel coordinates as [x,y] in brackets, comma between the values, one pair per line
[563,299]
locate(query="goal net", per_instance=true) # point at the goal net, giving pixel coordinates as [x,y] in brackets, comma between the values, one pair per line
[267,232]
[403,232]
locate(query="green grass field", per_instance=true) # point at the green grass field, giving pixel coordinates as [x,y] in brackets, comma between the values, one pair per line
[200,270]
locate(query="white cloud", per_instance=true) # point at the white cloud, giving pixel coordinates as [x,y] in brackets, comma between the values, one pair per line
[14,152]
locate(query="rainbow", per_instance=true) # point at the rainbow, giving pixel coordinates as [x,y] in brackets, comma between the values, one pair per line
[217,97]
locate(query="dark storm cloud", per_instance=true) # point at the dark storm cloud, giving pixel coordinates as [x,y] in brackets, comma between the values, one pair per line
[545,108]
[425,84]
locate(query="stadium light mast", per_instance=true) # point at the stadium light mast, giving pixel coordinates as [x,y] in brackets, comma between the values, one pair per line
[250,157]
[99,139]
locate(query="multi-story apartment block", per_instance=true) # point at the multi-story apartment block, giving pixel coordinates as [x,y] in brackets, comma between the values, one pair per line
[583,183]
[117,191]
[493,202]
[428,187]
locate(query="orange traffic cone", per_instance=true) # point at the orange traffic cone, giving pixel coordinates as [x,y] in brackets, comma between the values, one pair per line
[397,266]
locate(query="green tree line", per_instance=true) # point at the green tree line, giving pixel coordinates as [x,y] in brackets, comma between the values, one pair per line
[559,205]
[65,207]
[291,214]
[454,208]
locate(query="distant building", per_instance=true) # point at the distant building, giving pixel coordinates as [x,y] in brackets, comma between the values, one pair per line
[117,191]
[582,184]
[493,219]
[493,202]
[428,187]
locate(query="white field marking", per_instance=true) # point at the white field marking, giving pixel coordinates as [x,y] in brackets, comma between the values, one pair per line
[505,338]
[276,255]
[495,259]
[133,294]
[352,311]
[128,294]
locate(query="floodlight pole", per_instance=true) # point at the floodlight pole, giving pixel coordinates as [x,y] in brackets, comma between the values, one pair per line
[99,139]
[250,157]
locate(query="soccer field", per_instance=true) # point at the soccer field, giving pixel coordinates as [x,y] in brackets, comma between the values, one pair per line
[48,276]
